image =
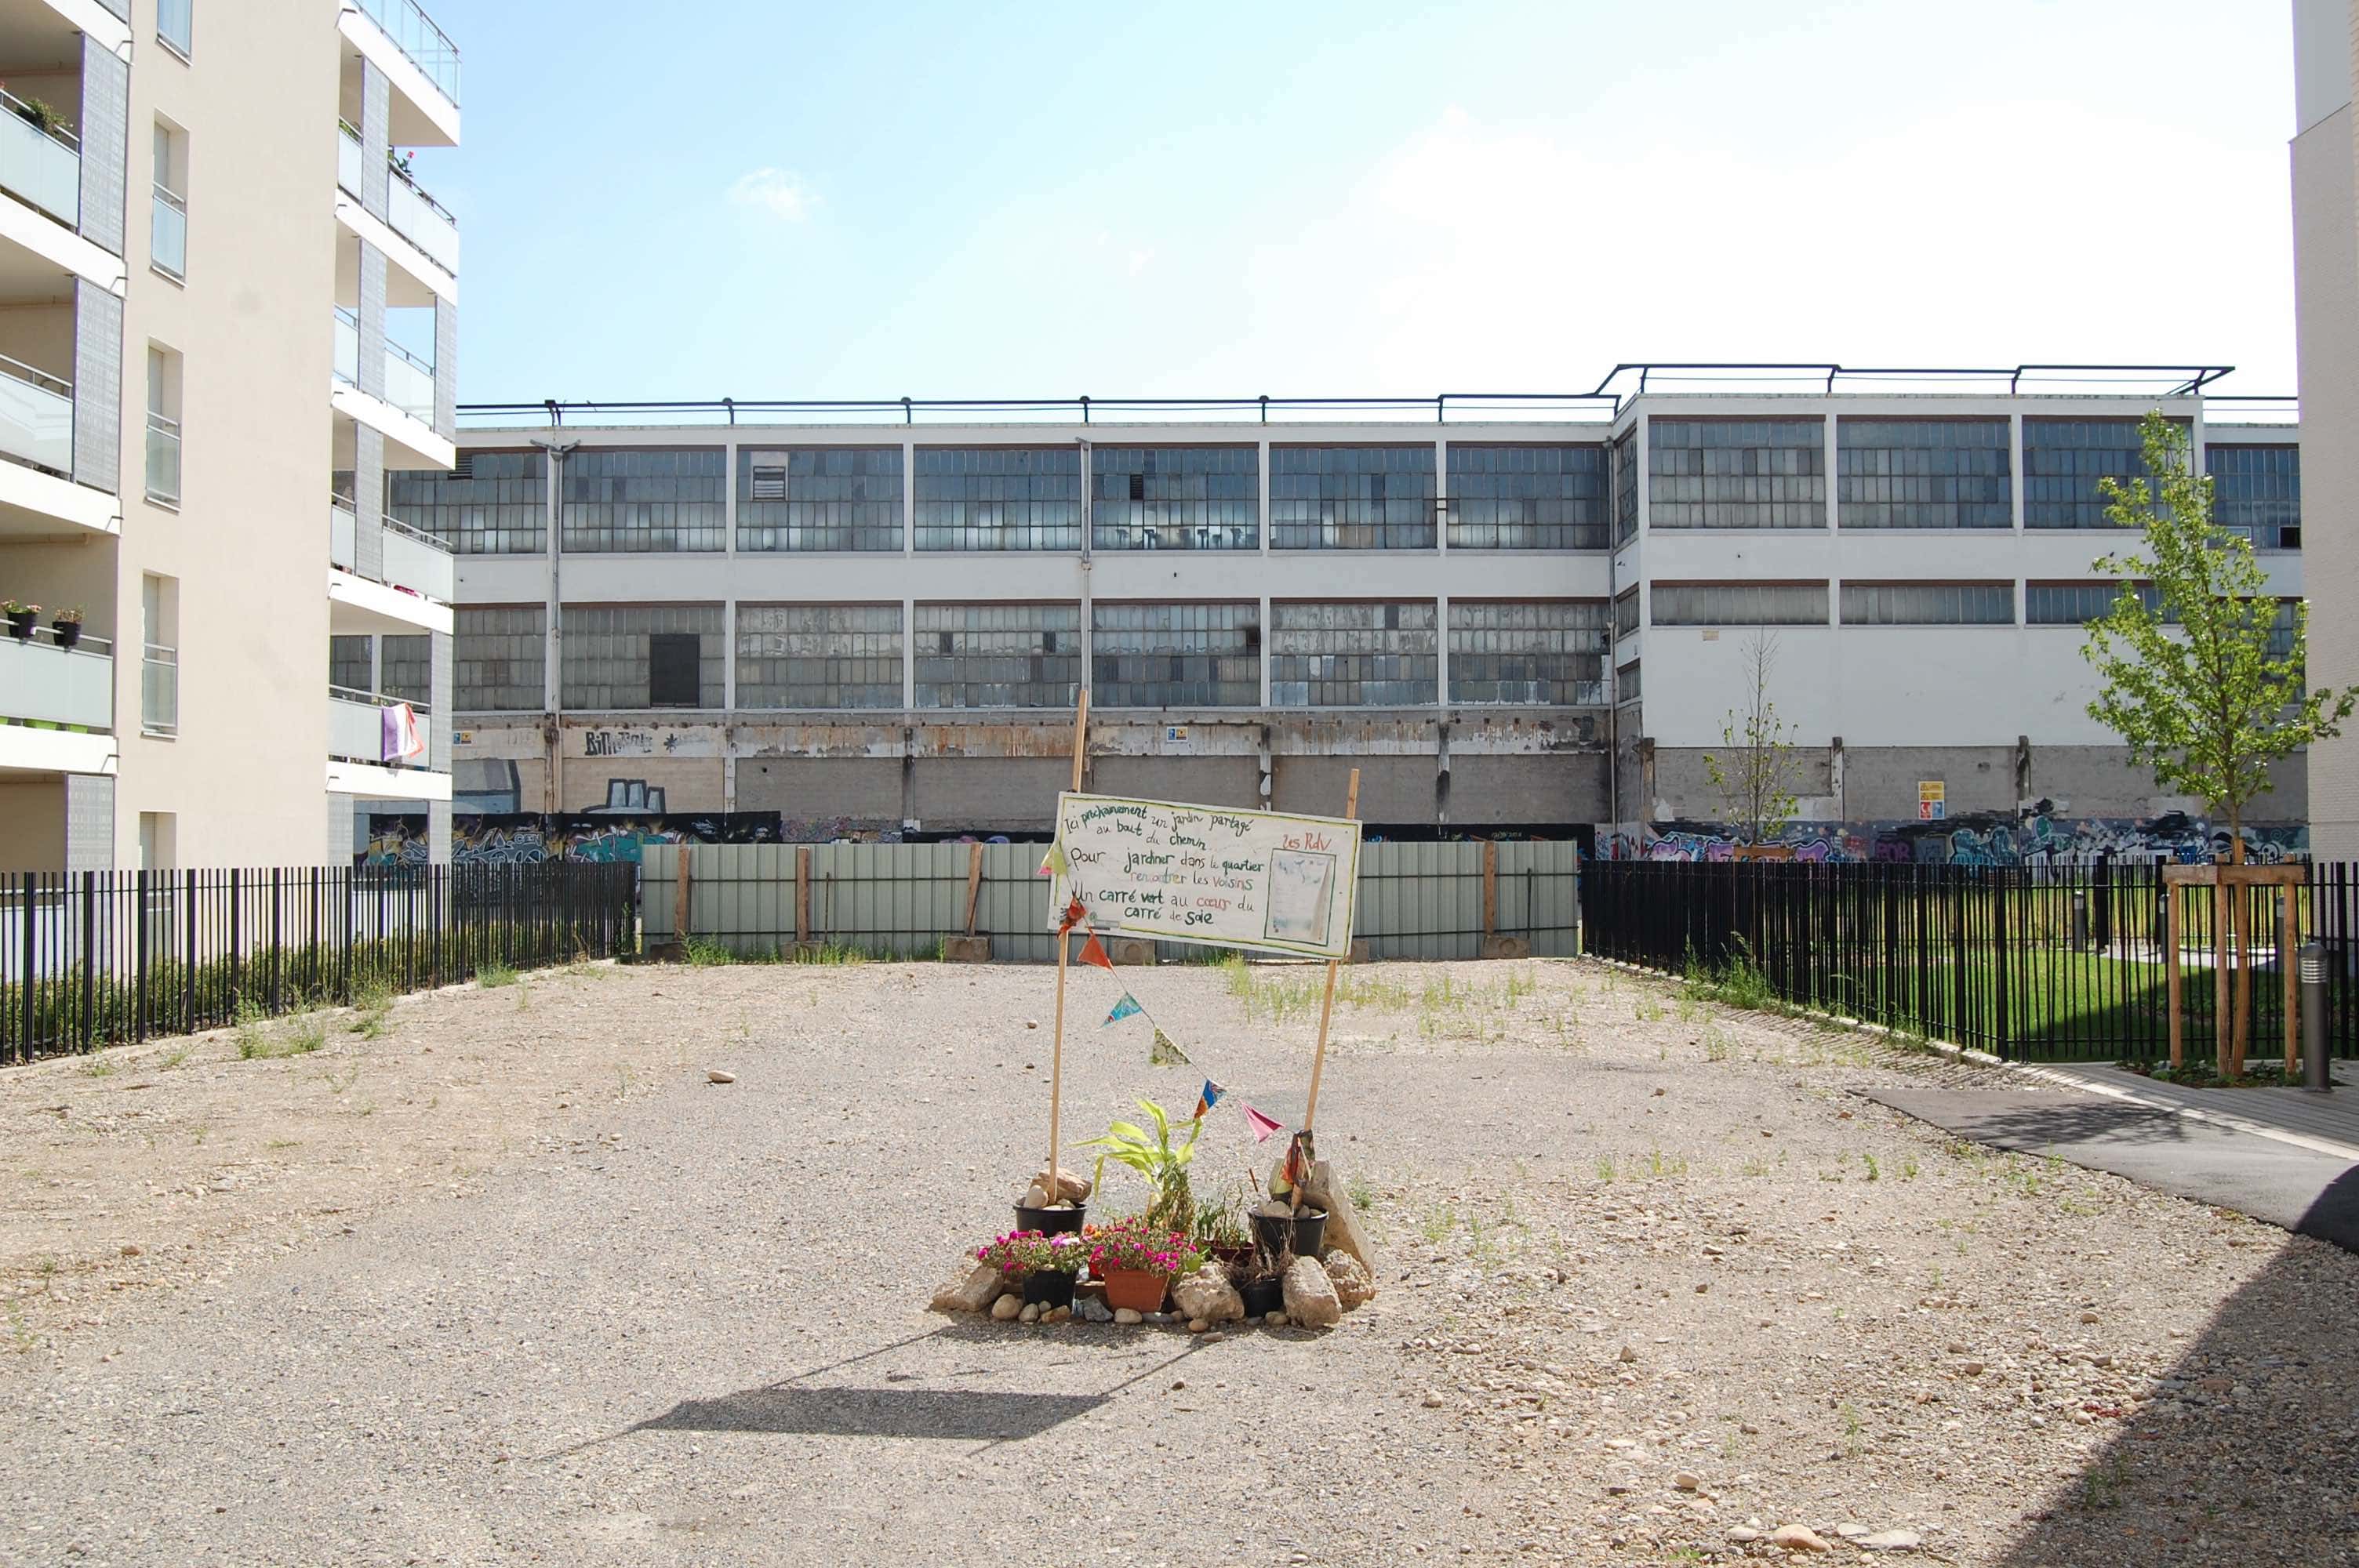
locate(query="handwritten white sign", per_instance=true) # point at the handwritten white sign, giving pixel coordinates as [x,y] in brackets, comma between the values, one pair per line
[1204,874]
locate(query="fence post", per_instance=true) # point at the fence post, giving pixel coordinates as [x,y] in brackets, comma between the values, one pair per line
[802,893]
[680,900]
[2003,1023]
[1490,886]
[189,919]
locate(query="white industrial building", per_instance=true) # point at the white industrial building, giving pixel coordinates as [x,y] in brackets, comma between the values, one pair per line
[1513,615]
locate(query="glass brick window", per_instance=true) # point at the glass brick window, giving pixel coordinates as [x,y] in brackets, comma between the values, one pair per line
[1736,473]
[2063,462]
[1740,604]
[1175,498]
[406,669]
[492,504]
[1175,656]
[819,656]
[1547,650]
[1527,498]
[2075,603]
[2257,491]
[998,656]
[819,498]
[999,498]
[624,656]
[641,498]
[348,664]
[1928,604]
[1362,653]
[499,658]
[1924,473]
[1626,613]
[1625,487]
[1351,498]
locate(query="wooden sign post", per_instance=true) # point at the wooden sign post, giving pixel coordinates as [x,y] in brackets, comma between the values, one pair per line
[1049,1182]
[1327,1007]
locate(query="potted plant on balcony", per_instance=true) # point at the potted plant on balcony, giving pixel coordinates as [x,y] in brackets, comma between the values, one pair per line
[36,113]
[1136,1259]
[67,627]
[21,617]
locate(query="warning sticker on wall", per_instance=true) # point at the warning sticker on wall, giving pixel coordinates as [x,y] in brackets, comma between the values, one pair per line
[1932,800]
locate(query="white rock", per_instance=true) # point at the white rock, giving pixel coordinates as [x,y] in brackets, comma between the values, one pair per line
[1311,1298]
[1035,1198]
[1127,1315]
[1890,1540]
[1274,1319]
[1350,1278]
[970,1292]
[1029,1312]
[1007,1307]
[1197,1326]
[1207,1296]
[718,1077]
[1091,1310]
[1687,1480]
[1797,1538]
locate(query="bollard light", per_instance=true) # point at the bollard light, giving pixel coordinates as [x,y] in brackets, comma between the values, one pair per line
[2317,1072]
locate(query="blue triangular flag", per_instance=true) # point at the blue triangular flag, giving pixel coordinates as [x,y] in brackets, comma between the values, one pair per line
[1123,1009]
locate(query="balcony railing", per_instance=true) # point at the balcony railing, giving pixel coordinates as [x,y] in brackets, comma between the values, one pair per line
[38,165]
[36,417]
[342,528]
[348,347]
[357,728]
[421,220]
[415,34]
[44,683]
[160,690]
[419,562]
[350,161]
[163,459]
[167,241]
[409,383]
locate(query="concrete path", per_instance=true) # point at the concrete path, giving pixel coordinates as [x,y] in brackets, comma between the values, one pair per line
[2331,1119]
[2304,1189]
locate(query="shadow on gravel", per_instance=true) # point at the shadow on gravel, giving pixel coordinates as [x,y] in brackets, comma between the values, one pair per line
[2251,1466]
[879,1412]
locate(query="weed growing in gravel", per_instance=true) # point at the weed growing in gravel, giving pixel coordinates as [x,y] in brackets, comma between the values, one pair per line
[1869,1161]
[1717,1047]
[492,976]
[1605,1167]
[99,1067]
[1909,1168]
[1364,1196]
[173,1058]
[247,1031]
[1647,1009]
[2102,1487]
[284,1143]
[831,954]
[19,1337]
[1658,1167]
[1740,983]
[1438,1223]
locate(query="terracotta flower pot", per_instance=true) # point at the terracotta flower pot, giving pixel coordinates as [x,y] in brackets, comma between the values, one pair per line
[1141,1290]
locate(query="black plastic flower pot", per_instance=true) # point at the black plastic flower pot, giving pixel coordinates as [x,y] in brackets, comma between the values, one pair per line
[67,633]
[1047,1288]
[20,626]
[1051,1221]
[1309,1231]
[1263,1297]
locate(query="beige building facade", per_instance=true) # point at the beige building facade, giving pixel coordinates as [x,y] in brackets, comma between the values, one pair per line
[207,241]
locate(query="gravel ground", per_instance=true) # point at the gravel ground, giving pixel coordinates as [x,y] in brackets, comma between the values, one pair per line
[509,1281]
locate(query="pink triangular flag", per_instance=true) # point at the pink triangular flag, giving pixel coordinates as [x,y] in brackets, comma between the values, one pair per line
[1262,1126]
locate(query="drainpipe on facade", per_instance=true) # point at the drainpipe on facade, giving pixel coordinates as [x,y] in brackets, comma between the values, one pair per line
[558,452]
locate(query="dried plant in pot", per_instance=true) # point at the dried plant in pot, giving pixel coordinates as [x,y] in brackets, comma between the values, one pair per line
[67,627]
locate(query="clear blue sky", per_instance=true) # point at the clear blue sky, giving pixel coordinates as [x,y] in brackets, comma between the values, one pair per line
[781,199]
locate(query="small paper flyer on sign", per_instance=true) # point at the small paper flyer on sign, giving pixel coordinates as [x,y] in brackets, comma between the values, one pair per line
[1206,874]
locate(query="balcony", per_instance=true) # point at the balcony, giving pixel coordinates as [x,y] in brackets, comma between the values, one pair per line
[348,347]
[409,383]
[413,561]
[41,167]
[357,728]
[413,32]
[68,688]
[168,238]
[163,459]
[37,416]
[350,160]
[422,221]
[160,690]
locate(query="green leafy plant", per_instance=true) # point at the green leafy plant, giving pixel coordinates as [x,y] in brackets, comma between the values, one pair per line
[1154,1156]
[1755,778]
[1219,1224]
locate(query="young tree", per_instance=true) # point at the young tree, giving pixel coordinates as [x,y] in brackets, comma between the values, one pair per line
[2190,682]
[1755,780]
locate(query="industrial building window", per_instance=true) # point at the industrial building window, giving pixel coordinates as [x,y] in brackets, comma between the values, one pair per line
[640,498]
[1365,653]
[1175,498]
[1625,488]
[1547,650]
[500,658]
[1736,473]
[624,656]
[1739,604]
[349,660]
[998,656]
[1351,498]
[1924,473]
[1527,498]
[2074,603]
[1929,603]
[404,669]
[2063,462]
[1175,656]
[492,504]
[819,656]
[1626,683]
[2257,491]
[2281,628]
[1626,613]
[999,498]
[819,498]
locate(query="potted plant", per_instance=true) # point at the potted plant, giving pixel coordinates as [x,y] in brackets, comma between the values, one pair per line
[1163,1162]
[67,627]
[1279,1228]
[1136,1260]
[1219,1229]
[1043,1266]
[21,617]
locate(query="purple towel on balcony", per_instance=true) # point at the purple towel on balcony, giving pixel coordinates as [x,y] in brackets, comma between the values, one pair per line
[400,739]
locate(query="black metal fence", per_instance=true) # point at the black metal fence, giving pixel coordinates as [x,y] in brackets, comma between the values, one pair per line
[2026,962]
[97,958]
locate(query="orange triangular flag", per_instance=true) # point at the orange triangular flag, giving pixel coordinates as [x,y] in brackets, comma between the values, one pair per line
[1093,952]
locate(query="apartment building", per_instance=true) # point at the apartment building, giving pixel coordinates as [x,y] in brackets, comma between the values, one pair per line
[1510,615]
[245,612]
[2326,316]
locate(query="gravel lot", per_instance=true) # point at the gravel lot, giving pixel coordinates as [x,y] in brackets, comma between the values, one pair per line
[510,1282]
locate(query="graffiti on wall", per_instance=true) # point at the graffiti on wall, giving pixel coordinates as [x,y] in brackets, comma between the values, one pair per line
[525,838]
[1987,838]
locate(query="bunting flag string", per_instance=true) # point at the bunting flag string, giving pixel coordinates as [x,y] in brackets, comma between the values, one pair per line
[1126,1008]
[1164,1053]
[1262,1126]
[1207,1097]
[1093,952]
[1053,864]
